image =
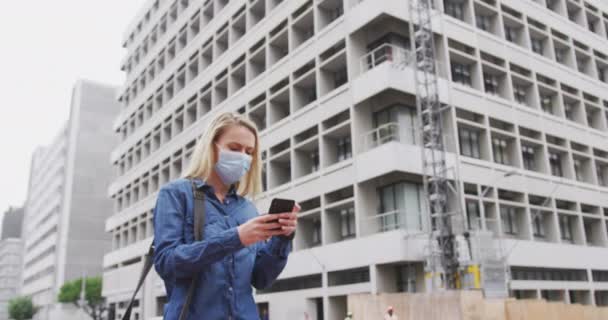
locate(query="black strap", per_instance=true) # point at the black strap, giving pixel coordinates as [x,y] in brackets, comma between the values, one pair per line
[148,262]
[199,222]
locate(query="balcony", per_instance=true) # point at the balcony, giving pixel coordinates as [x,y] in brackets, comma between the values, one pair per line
[390,132]
[394,220]
[388,67]
[386,53]
[392,146]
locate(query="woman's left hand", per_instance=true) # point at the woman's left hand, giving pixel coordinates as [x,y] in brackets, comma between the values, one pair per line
[289,221]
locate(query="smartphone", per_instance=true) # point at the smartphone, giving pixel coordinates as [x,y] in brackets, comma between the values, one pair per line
[280,206]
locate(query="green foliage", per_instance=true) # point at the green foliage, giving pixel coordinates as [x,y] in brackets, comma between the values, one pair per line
[70,291]
[21,308]
[94,304]
[93,290]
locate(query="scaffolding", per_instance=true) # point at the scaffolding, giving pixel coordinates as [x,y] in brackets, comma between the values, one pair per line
[442,262]
[456,257]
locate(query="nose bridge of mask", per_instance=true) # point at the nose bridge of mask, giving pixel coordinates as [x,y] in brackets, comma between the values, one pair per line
[232,165]
[234,155]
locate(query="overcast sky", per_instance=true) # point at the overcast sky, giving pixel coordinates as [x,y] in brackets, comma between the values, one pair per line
[45,47]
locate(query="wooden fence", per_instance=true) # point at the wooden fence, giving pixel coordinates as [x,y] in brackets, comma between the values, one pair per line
[466,305]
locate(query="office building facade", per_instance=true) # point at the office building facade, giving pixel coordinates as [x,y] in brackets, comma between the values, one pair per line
[330,84]
[11,250]
[11,223]
[66,205]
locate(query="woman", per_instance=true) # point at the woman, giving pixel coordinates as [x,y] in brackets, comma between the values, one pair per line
[234,253]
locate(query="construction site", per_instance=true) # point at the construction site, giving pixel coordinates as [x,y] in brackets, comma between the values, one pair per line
[467,305]
[449,156]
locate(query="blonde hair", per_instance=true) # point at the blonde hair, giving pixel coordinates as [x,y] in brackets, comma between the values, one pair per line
[202,162]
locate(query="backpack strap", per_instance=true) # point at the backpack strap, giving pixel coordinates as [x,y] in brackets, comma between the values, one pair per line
[148,262]
[199,213]
[199,223]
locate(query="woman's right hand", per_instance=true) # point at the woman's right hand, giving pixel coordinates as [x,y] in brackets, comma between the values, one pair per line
[259,228]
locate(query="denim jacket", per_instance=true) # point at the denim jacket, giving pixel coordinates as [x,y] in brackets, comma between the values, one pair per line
[227,270]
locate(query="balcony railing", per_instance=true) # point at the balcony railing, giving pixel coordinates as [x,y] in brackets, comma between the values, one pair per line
[396,219]
[388,132]
[386,53]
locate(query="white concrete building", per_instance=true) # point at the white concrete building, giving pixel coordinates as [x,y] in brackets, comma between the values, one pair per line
[11,250]
[10,265]
[65,206]
[328,85]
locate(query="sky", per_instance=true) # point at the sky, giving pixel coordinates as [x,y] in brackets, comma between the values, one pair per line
[45,46]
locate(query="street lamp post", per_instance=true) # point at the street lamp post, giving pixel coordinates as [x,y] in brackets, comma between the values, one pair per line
[534,216]
[500,256]
[82,299]
[487,188]
[505,175]
[537,212]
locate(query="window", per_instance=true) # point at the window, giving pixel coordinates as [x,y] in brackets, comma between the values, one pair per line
[555,161]
[600,275]
[601,75]
[384,118]
[578,169]
[590,117]
[340,77]
[343,277]
[537,224]
[401,115]
[473,214]
[344,148]
[461,73]
[483,22]
[568,111]
[560,55]
[510,34]
[347,223]
[406,278]
[160,306]
[112,311]
[528,157]
[490,82]
[508,216]
[295,283]
[469,143]
[601,180]
[548,274]
[546,103]
[565,227]
[591,26]
[538,46]
[383,48]
[455,9]
[316,232]
[337,12]
[520,93]
[499,147]
[400,206]
[581,64]
[314,161]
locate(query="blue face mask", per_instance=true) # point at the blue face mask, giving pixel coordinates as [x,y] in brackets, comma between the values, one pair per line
[231,166]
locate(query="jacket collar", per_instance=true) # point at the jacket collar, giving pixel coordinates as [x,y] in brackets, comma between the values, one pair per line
[202,185]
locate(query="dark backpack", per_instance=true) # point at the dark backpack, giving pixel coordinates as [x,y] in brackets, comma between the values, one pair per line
[199,222]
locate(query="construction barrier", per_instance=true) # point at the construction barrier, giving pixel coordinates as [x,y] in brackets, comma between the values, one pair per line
[466,305]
